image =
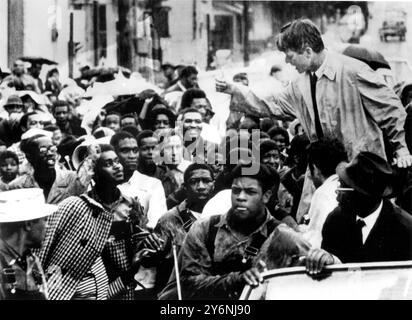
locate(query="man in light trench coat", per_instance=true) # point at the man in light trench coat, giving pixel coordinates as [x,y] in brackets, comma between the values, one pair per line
[334,95]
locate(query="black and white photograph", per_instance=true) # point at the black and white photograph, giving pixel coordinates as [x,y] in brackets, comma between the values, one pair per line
[201,154]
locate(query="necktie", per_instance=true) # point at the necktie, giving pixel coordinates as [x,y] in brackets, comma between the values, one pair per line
[360,224]
[318,127]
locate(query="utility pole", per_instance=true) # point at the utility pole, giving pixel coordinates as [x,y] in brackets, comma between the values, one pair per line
[96,40]
[124,35]
[71,47]
[246,33]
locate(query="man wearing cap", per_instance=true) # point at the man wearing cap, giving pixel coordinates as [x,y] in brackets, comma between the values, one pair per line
[366,226]
[22,228]
[9,128]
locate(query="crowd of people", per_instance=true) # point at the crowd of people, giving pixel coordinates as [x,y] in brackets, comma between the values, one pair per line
[149,201]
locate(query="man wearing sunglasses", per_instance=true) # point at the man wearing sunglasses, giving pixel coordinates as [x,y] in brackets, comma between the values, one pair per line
[366,226]
[57,184]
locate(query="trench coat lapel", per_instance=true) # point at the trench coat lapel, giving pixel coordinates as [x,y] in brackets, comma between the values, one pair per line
[304,87]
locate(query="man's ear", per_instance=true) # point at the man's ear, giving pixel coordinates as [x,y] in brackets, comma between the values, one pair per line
[308,51]
[28,225]
[266,196]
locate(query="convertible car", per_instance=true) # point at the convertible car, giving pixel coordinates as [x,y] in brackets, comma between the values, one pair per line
[359,281]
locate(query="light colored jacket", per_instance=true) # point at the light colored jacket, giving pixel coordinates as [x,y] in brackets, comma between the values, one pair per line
[66,184]
[354,103]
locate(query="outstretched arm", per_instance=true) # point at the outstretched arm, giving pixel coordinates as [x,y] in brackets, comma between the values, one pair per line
[244,100]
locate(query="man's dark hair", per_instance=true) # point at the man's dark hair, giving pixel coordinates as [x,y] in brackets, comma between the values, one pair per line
[116,138]
[60,103]
[274,131]
[30,147]
[298,146]
[106,147]
[51,128]
[188,71]
[25,118]
[8,155]
[103,148]
[299,34]
[266,124]
[196,166]
[133,130]
[266,146]
[266,176]
[190,95]
[143,135]
[326,154]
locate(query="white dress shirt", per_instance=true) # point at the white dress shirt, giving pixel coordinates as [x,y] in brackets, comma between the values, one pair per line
[150,193]
[370,221]
[323,202]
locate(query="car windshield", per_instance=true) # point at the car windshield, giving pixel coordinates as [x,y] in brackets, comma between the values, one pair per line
[369,281]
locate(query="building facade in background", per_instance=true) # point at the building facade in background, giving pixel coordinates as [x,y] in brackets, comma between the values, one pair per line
[143,34]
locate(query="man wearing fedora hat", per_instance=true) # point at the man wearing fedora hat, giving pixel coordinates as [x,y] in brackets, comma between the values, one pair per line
[22,228]
[366,226]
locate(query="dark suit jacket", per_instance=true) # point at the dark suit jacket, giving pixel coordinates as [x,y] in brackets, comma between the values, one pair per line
[389,240]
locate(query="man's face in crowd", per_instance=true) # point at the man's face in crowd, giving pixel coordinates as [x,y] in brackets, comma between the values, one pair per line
[35,121]
[109,168]
[272,159]
[190,81]
[18,68]
[147,150]
[9,169]
[169,73]
[61,114]
[162,122]
[128,121]
[113,122]
[173,150]
[29,104]
[57,137]
[127,151]
[47,155]
[248,199]
[192,125]
[35,70]
[199,103]
[199,185]
[280,141]
[354,202]
[301,61]
[36,232]
[14,109]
